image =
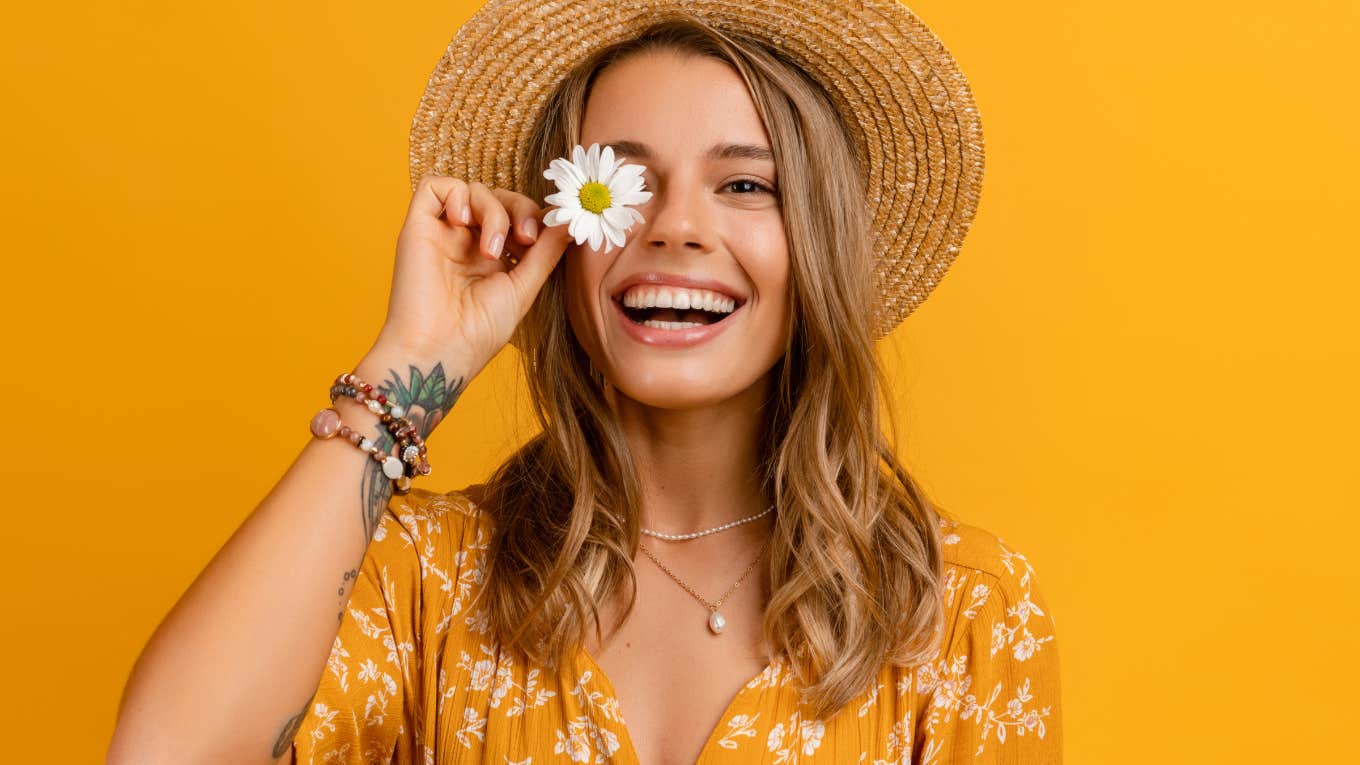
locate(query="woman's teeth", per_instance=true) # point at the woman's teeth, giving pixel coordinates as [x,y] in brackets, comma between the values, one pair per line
[657,323]
[671,308]
[646,296]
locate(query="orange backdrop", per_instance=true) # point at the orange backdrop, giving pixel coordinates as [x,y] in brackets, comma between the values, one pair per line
[1141,370]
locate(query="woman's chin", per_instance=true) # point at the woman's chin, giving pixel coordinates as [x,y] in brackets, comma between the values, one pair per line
[691,380]
[672,393]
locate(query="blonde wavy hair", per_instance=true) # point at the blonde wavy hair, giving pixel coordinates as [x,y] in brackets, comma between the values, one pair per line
[854,565]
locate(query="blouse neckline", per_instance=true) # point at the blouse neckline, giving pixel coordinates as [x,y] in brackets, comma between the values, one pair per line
[625,734]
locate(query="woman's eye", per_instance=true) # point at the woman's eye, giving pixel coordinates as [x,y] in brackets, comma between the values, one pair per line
[749,186]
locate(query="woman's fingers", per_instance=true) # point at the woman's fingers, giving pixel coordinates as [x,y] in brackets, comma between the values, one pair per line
[439,195]
[538,262]
[458,208]
[490,215]
[524,214]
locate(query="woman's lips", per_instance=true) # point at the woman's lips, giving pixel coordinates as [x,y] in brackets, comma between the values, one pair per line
[671,338]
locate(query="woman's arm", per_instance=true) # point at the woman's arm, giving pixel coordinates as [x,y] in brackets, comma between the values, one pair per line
[230,671]
[228,675]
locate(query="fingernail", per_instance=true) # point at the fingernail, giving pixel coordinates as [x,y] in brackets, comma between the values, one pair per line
[496,242]
[530,228]
[467,214]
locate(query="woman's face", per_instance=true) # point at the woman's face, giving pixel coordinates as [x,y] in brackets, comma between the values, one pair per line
[713,223]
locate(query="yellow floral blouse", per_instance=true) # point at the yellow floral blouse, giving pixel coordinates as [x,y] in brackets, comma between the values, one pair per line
[413,677]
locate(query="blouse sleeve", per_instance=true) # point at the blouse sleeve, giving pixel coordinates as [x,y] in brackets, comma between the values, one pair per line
[367,705]
[995,696]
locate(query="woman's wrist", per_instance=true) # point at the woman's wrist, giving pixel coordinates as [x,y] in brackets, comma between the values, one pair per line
[424,389]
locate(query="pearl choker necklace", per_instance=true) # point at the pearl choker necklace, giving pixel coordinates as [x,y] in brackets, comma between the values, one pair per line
[714,530]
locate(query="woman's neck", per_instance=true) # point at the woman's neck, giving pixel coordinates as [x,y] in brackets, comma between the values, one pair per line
[698,467]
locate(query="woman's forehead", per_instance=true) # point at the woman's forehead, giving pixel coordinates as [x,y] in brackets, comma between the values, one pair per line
[722,150]
[657,100]
[663,123]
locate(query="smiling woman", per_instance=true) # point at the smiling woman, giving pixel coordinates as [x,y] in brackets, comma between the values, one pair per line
[726,341]
[719,362]
[708,380]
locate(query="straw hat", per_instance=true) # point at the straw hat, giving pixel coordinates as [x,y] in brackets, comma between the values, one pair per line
[910,109]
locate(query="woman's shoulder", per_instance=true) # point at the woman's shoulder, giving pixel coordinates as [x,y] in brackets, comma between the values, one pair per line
[993,687]
[432,531]
[975,548]
[426,503]
[992,589]
[427,512]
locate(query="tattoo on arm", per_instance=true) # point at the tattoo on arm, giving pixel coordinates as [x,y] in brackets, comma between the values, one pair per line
[350,576]
[290,729]
[426,397]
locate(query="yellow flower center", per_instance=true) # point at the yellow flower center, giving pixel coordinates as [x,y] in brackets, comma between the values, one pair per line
[595,197]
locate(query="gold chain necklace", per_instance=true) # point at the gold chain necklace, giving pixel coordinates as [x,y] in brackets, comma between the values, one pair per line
[716,621]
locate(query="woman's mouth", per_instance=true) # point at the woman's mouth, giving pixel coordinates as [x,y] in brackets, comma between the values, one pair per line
[673,318]
[672,327]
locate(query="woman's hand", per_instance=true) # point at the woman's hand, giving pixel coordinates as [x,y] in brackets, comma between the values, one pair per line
[455,297]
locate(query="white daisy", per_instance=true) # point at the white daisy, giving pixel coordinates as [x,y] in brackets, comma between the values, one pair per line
[593,194]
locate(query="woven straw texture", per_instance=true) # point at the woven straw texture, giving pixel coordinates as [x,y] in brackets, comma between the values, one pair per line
[910,109]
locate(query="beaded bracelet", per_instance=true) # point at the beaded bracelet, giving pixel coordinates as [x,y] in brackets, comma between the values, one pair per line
[350,385]
[326,424]
[411,446]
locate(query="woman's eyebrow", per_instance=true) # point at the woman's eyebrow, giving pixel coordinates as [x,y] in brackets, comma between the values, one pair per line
[717,151]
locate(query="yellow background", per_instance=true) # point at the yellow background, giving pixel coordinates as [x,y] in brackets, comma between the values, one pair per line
[1141,371]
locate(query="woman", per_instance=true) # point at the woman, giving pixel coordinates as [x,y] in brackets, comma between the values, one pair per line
[711,538]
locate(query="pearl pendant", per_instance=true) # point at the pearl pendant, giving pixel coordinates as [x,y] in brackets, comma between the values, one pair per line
[716,622]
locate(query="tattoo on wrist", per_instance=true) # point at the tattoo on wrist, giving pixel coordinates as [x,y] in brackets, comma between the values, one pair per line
[426,396]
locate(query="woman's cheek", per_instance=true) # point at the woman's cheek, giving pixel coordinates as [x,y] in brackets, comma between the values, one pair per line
[588,304]
[769,262]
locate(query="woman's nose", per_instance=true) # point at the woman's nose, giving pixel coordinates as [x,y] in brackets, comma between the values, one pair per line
[679,218]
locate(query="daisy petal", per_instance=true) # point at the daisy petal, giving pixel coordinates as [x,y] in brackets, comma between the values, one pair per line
[620,186]
[618,217]
[593,162]
[632,197]
[564,199]
[607,165]
[624,189]
[596,234]
[557,217]
[578,158]
[613,234]
[568,176]
[623,174]
[579,226]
